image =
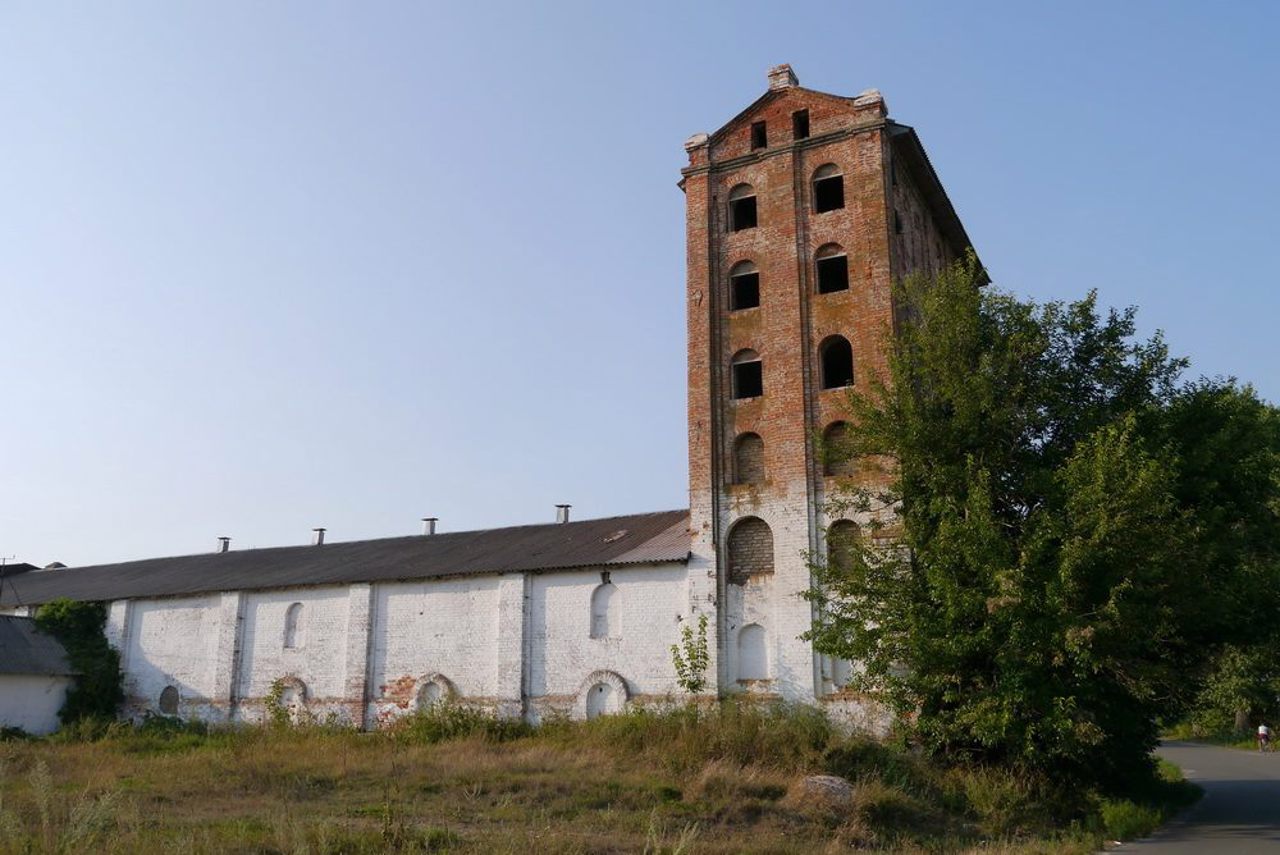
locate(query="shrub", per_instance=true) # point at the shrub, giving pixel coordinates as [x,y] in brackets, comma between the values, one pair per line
[80,627]
[445,721]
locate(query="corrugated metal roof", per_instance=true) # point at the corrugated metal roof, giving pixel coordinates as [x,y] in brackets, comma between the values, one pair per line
[26,650]
[634,539]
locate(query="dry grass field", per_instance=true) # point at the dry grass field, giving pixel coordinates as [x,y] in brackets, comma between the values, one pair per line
[718,781]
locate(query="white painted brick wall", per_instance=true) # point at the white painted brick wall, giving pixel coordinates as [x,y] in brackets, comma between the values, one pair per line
[517,644]
[171,642]
[318,658]
[652,600]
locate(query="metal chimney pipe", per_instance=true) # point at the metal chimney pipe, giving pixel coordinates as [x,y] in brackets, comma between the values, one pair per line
[318,536]
[429,525]
[224,544]
[562,513]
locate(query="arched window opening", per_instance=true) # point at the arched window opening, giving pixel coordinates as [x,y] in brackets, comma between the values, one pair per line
[828,189]
[292,617]
[837,453]
[833,269]
[744,286]
[742,208]
[748,375]
[169,701]
[750,549]
[605,605]
[748,459]
[842,542]
[836,356]
[753,653]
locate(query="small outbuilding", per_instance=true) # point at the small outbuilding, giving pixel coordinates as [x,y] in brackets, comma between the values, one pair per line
[34,676]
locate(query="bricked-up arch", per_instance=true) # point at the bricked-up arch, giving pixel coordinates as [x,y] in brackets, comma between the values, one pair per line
[753,653]
[433,689]
[742,208]
[828,189]
[837,456]
[748,459]
[602,693]
[605,608]
[750,549]
[169,701]
[836,356]
[748,374]
[832,267]
[292,620]
[842,539]
[744,286]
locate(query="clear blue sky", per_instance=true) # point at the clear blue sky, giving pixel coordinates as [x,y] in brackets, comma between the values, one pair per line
[267,266]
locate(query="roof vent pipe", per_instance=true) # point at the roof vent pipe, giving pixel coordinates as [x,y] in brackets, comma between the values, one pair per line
[562,513]
[317,538]
[429,525]
[224,544]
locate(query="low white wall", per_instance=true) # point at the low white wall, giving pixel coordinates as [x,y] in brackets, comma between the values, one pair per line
[516,644]
[31,701]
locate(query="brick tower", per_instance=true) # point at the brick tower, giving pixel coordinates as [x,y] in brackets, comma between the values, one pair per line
[801,212]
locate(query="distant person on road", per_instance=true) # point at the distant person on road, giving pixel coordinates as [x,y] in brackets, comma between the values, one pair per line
[1264,737]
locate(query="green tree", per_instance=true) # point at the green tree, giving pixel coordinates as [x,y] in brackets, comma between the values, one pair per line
[99,690]
[1046,586]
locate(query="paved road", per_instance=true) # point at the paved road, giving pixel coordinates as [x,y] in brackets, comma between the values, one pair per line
[1240,811]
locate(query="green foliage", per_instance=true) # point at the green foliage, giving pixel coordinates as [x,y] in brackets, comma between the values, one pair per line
[1244,684]
[449,720]
[99,690]
[691,657]
[1058,575]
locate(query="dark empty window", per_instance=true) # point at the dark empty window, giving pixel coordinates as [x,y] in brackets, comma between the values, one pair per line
[828,189]
[744,286]
[833,269]
[897,223]
[800,124]
[748,375]
[759,138]
[836,356]
[742,208]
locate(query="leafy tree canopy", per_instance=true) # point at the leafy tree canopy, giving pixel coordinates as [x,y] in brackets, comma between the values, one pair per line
[1061,536]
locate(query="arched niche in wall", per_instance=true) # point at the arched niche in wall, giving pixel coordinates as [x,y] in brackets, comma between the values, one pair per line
[293,698]
[837,455]
[433,689]
[292,628]
[842,541]
[753,653]
[602,693]
[750,550]
[748,459]
[606,606]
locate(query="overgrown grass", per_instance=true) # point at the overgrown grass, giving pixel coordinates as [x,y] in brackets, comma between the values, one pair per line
[722,779]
